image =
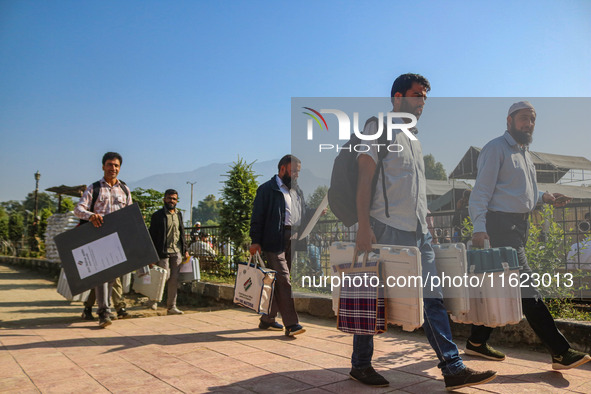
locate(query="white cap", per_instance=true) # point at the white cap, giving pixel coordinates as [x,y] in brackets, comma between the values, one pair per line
[520,105]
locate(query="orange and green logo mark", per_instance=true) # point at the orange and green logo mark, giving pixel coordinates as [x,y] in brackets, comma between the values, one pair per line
[247,284]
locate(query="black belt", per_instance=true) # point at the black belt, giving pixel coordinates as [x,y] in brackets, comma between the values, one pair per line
[287,227]
[519,216]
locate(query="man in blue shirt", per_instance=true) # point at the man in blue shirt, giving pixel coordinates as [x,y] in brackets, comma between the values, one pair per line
[396,214]
[503,196]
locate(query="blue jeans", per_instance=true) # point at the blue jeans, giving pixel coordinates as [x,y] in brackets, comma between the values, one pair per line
[436,322]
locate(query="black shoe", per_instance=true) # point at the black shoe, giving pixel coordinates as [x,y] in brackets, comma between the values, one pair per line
[122,314]
[368,376]
[296,329]
[468,377]
[484,350]
[271,326]
[570,359]
[104,320]
[87,314]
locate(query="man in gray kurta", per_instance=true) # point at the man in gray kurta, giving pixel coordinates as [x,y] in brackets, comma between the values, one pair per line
[504,195]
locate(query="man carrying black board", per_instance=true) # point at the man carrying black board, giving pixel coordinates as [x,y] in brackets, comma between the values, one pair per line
[101,198]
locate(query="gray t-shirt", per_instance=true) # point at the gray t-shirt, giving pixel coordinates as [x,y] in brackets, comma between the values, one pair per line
[405,182]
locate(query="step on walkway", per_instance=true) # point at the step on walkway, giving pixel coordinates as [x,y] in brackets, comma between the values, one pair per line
[225,352]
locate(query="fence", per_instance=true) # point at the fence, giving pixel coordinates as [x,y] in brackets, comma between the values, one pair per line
[213,251]
[316,259]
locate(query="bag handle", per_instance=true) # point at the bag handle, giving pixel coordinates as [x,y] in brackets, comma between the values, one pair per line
[355,257]
[258,260]
[486,245]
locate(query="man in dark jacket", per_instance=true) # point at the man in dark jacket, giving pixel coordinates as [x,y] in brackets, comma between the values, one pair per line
[277,212]
[168,235]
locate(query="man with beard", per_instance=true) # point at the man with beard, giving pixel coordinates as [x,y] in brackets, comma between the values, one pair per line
[504,195]
[277,213]
[168,235]
[399,217]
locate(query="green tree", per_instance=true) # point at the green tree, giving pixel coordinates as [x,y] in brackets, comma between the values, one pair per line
[3,224]
[208,211]
[45,214]
[44,200]
[316,198]
[434,169]
[238,196]
[13,206]
[67,205]
[16,226]
[149,201]
[546,251]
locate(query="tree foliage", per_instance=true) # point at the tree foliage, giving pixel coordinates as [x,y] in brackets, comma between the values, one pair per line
[45,214]
[434,169]
[3,224]
[316,198]
[238,196]
[16,226]
[67,204]
[546,251]
[208,211]
[44,200]
[12,206]
[149,201]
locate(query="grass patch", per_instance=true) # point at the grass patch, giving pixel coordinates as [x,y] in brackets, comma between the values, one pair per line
[566,309]
[217,278]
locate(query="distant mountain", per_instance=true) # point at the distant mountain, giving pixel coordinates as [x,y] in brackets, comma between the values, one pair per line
[209,181]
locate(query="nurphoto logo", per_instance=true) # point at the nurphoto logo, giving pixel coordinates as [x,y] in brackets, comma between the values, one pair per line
[386,123]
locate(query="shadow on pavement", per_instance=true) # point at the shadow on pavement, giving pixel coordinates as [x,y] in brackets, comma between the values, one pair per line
[124,343]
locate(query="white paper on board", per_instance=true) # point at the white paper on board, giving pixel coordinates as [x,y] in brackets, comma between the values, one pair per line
[99,255]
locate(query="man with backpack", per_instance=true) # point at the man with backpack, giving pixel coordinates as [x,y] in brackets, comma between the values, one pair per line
[396,214]
[101,198]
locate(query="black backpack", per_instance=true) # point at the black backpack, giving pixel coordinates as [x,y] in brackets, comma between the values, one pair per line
[342,193]
[96,188]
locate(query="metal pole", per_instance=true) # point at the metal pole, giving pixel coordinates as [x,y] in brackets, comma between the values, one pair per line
[37,177]
[191,208]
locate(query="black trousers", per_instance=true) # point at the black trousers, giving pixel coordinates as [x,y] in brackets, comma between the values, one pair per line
[506,229]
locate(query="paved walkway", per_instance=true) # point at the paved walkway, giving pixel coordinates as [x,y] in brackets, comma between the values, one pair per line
[222,351]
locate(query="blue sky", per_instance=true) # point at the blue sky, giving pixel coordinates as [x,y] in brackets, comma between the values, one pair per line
[177,85]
